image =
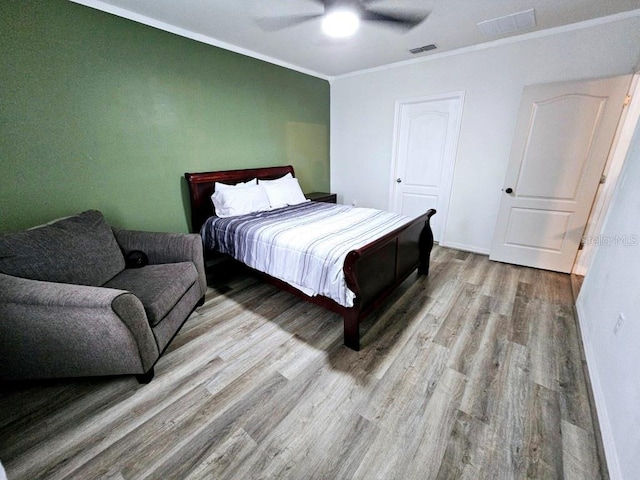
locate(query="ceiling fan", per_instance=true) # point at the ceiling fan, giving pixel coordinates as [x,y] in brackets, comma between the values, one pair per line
[341,18]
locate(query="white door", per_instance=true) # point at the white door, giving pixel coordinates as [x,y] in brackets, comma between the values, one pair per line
[563,135]
[425,144]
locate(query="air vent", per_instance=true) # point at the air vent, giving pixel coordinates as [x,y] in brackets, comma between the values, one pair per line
[509,23]
[426,48]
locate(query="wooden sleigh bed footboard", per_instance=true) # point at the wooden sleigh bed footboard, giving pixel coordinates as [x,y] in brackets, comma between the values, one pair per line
[371,272]
[374,271]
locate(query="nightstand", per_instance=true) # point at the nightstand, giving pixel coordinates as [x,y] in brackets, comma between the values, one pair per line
[322,197]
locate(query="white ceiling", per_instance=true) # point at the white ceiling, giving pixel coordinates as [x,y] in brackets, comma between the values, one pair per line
[233,24]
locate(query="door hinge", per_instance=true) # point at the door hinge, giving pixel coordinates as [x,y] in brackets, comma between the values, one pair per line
[627,100]
[581,246]
[603,179]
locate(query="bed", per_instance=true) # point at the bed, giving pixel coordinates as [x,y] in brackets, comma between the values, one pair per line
[371,272]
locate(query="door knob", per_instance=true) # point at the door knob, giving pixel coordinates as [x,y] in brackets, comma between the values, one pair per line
[509,190]
[399,180]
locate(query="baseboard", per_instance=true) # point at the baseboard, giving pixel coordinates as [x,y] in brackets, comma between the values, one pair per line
[464,247]
[606,434]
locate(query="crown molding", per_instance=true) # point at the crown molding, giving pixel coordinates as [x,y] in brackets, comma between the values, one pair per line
[151,22]
[136,17]
[500,42]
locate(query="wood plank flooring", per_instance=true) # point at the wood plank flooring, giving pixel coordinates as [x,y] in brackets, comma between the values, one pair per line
[472,373]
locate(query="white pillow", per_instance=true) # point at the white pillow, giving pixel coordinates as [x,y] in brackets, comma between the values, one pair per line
[230,202]
[284,178]
[284,192]
[222,186]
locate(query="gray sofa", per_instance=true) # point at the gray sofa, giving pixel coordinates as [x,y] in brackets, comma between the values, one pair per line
[69,307]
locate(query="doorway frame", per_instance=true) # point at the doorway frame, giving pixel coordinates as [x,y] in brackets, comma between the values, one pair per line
[399,104]
[629,118]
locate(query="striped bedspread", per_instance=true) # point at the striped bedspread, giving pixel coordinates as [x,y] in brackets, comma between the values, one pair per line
[304,245]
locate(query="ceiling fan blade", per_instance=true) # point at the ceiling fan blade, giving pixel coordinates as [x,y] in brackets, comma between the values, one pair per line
[273,24]
[404,21]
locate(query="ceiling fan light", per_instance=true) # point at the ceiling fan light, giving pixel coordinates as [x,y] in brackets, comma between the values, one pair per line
[340,23]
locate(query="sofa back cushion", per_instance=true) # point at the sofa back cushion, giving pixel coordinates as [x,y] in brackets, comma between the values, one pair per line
[80,250]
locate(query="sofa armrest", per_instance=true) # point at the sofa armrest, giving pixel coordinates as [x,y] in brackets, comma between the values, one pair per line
[166,248]
[55,330]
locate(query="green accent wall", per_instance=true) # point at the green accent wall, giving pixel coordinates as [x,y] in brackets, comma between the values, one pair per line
[99,112]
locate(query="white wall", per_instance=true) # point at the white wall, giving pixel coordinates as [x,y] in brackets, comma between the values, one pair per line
[611,287]
[362,116]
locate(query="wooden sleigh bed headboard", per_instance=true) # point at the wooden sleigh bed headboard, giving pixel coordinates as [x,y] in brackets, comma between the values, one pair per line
[201,187]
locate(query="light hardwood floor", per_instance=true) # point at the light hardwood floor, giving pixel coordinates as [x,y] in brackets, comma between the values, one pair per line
[474,372]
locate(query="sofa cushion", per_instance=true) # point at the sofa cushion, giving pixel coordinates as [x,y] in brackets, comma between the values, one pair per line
[80,250]
[159,287]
